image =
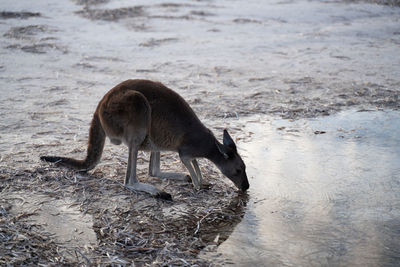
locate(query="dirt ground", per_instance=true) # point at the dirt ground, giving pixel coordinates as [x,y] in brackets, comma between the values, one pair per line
[230,60]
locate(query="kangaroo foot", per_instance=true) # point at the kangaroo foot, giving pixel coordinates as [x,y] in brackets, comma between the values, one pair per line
[155,192]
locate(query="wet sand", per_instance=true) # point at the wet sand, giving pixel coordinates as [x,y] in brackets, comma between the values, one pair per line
[230,60]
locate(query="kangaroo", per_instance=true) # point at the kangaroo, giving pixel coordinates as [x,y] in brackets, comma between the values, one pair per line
[146,115]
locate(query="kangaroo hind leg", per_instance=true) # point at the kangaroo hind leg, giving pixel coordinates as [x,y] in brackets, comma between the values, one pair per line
[133,183]
[135,118]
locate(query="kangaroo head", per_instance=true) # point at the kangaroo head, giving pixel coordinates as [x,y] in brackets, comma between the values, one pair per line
[232,165]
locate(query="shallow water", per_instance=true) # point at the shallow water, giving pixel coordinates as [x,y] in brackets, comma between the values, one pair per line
[61,218]
[320,199]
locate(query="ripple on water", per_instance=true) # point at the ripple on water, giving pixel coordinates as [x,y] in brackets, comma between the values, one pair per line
[326,199]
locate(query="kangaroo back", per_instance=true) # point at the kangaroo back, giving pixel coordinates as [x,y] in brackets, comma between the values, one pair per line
[94,150]
[172,119]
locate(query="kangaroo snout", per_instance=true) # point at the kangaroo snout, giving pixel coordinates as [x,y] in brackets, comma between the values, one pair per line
[245,185]
[241,182]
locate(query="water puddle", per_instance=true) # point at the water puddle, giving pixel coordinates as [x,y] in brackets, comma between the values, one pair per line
[69,227]
[323,192]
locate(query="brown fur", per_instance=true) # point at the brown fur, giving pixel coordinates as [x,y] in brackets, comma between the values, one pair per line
[146,115]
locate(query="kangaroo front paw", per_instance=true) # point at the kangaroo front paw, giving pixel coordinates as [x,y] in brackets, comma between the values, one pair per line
[164,196]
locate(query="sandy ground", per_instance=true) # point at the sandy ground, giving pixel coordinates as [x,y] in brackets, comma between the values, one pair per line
[230,60]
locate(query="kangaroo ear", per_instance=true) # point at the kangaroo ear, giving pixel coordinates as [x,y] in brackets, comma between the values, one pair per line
[222,149]
[228,141]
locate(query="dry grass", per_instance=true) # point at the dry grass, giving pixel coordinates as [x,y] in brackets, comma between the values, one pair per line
[130,227]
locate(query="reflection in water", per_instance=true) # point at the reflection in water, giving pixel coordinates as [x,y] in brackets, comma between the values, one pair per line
[218,225]
[321,199]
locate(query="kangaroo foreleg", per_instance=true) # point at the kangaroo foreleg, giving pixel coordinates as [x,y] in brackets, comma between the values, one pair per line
[197,170]
[193,174]
[203,184]
[155,171]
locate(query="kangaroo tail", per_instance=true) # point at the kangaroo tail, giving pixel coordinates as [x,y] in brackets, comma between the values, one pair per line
[97,138]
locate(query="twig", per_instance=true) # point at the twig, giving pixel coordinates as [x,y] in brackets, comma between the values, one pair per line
[87,260]
[200,221]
